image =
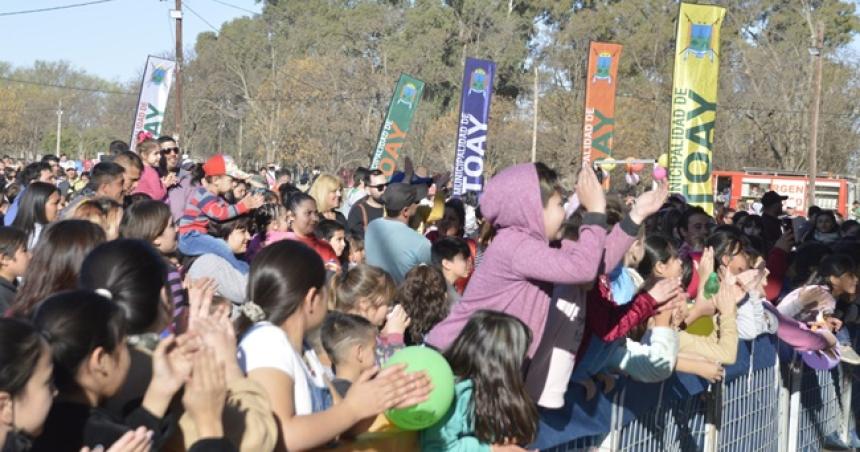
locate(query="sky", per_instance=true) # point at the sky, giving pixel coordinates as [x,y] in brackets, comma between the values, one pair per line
[111,39]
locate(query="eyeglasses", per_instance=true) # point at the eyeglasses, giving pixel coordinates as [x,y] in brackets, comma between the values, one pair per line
[173,150]
[379,187]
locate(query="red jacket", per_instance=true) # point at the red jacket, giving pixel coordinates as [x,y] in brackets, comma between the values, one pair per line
[777,264]
[609,321]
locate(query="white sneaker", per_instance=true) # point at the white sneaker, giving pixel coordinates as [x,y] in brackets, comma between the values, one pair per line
[849,356]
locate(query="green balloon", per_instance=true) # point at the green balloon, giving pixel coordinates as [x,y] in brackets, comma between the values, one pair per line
[712,285]
[433,409]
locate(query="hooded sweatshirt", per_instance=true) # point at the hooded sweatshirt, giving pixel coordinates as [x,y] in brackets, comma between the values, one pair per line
[177,196]
[150,184]
[519,267]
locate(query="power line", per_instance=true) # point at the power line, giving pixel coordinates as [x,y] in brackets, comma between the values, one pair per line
[235,7]
[243,49]
[215,29]
[54,8]
[28,109]
[68,87]
[739,108]
[720,107]
[315,98]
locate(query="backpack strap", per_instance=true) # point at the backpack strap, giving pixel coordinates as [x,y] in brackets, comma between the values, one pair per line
[363,214]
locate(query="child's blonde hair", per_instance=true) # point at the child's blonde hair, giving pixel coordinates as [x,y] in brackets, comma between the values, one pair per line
[362,285]
[147,147]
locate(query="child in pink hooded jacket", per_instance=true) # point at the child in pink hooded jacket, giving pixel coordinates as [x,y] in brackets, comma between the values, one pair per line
[519,267]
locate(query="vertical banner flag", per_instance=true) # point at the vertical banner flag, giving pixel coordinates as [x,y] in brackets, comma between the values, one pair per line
[599,119]
[694,103]
[472,131]
[402,107]
[154,89]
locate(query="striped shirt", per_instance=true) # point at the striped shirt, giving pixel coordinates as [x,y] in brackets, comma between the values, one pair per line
[177,294]
[203,206]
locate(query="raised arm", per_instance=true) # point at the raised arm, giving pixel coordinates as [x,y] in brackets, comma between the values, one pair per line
[573,263]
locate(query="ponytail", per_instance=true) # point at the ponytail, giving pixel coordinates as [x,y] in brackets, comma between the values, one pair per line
[264,216]
[281,276]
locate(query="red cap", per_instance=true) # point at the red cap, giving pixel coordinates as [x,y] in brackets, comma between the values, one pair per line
[219,165]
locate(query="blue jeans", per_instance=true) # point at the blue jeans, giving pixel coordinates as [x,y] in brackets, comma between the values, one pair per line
[194,243]
[843,336]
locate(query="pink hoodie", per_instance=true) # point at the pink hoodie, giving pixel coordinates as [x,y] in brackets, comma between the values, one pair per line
[519,268]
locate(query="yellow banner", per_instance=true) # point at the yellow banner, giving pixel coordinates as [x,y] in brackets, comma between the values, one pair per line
[694,103]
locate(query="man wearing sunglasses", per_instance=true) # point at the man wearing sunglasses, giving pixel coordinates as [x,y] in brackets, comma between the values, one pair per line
[170,152]
[370,207]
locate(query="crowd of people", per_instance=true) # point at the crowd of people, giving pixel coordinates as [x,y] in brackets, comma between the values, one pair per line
[155,303]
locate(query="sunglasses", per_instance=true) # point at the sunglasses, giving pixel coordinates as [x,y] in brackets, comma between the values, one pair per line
[173,150]
[379,187]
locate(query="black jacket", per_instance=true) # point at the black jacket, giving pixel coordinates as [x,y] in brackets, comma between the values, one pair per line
[71,426]
[8,289]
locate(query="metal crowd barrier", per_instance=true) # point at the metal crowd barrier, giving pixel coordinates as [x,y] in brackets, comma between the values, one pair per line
[766,404]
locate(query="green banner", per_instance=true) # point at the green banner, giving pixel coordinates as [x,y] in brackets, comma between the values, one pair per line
[402,107]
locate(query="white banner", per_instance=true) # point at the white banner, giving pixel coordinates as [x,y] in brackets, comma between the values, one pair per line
[152,102]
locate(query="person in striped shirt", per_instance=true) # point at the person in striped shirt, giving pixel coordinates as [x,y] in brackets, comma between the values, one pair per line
[205,204]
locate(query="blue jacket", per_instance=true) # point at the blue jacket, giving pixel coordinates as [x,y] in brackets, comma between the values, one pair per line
[12,212]
[456,431]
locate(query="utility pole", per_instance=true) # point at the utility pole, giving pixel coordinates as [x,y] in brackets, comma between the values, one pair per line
[177,126]
[815,52]
[535,117]
[59,125]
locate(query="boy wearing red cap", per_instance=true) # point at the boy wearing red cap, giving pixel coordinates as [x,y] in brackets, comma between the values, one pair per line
[205,204]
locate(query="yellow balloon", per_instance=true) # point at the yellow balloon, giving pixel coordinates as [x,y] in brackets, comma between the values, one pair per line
[703,326]
[663,160]
[608,166]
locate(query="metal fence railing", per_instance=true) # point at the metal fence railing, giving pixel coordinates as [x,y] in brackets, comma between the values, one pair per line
[766,404]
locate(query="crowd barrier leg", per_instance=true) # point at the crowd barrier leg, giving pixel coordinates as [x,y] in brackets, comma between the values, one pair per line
[848,429]
[785,392]
[794,379]
[713,414]
[613,439]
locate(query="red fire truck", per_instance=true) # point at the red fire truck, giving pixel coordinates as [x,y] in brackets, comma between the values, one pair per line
[745,187]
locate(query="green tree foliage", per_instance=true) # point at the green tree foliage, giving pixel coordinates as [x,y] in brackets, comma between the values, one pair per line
[309,82]
[90,120]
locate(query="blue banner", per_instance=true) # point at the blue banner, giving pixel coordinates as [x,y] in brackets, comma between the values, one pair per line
[472,130]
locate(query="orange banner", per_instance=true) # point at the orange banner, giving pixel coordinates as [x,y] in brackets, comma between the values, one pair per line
[599,121]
